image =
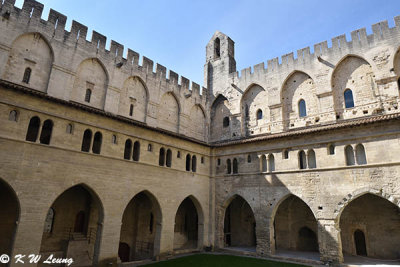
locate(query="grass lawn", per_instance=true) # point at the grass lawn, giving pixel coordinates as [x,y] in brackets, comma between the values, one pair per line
[210,260]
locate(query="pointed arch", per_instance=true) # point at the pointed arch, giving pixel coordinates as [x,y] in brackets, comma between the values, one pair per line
[11,209]
[355,73]
[91,74]
[239,223]
[198,122]
[86,216]
[189,224]
[298,85]
[135,94]
[30,51]
[141,227]
[169,112]
[254,98]
[219,111]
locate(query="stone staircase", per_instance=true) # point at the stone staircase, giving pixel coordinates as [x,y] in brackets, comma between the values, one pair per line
[78,250]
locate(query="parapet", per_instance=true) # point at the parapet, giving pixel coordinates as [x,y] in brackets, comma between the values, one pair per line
[359,40]
[54,26]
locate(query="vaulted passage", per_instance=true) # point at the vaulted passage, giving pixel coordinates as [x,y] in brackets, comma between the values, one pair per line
[295,227]
[186,232]
[239,224]
[8,218]
[370,226]
[72,227]
[141,228]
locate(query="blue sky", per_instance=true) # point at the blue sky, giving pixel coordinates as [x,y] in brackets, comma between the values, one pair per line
[174,33]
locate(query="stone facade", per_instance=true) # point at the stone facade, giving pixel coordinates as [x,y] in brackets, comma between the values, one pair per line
[104,160]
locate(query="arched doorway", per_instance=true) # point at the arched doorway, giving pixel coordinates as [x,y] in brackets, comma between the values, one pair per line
[9,216]
[295,227]
[73,226]
[239,224]
[370,226]
[187,233]
[140,229]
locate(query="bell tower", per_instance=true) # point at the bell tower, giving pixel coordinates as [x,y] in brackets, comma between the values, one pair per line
[220,62]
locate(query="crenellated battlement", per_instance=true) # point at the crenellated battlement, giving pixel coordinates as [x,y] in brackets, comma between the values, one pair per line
[360,40]
[31,13]
[65,64]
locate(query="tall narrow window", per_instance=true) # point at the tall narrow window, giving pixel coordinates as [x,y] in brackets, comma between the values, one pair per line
[97,140]
[169,158]
[360,155]
[226,122]
[217,48]
[271,163]
[149,147]
[13,116]
[331,149]
[194,163]
[312,163]
[86,140]
[235,167]
[302,160]
[136,151]
[131,110]
[151,222]
[70,128]
[349,152]
[285,154]
[128,149]
[47,129]
[302,108]
[263,163]
[33,129]
[88,95]
[161,157]
[259,114]
[228,166]
[202,160]
[188,158]
[27,75]
[48,224]
[348,99]
[248,158]
[113,139]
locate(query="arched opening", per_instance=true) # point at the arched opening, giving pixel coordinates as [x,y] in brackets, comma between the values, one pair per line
[295,227]
[219,117]
[349,153]
[217,48]
[169,158]
[331,149]
[33,129]
[97,140]
[312,162]
[302,160]
[134,99]
[27,75]
[9,217]
[369,226]
[360,155]
[86,140]
[194,163]
[76,228]
[140,229]
[235,167]
[47,129]
[259,114]
[69,129]
[13,116]
[226,122]
[188,158]
[161,157]
[348,99]
[359,242]
[302,108]
[271,163]
[239,225]
[169,112]
[187,230]
[88,95]
[136,151]
[263,163]
[128,149]
[228,166]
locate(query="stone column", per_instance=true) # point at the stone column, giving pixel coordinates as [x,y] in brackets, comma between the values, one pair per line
[329,241]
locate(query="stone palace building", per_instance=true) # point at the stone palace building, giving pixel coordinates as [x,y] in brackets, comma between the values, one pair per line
[108,160]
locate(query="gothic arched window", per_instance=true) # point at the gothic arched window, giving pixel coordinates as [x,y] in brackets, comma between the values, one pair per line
[348,99]
[302,108]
